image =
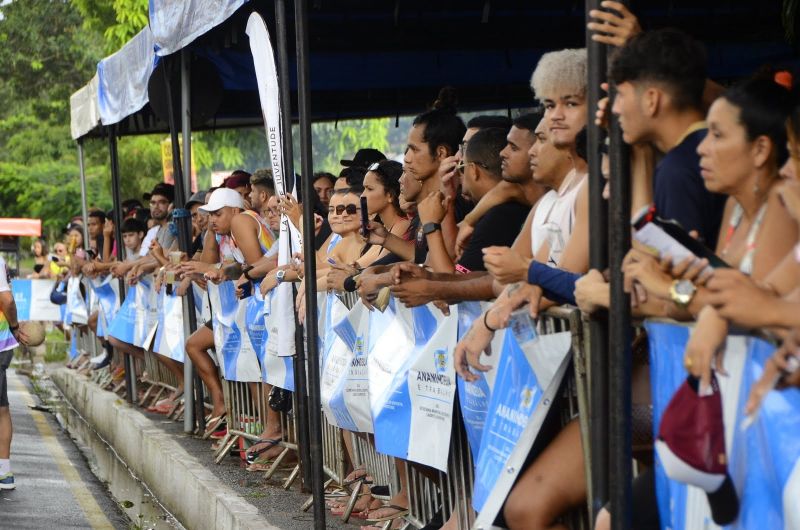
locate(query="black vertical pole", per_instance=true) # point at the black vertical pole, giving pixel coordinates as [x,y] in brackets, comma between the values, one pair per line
[192,384]
[315,408]
[180,215]
[598,259]
[301,392]
[282,36]
[619,368]
[130,374]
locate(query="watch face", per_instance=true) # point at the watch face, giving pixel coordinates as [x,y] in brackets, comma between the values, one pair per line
[685,287]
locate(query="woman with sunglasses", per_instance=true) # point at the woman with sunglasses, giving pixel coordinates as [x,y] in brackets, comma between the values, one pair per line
[344,216]
[382,191]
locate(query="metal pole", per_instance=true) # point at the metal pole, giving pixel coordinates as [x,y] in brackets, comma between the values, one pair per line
[315,407]
[130,367]
[282,36]
[301,392]
[84,207]
[619,367]
[598,259]
[85,215]
[189,315]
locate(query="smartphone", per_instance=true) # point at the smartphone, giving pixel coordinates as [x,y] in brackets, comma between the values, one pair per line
[667,237]
[364,218]
[247,290]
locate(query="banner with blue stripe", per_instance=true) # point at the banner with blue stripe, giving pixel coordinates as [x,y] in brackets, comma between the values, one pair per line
[231,339]
[344,385]
[473,397]
[106,292]
[412,381]
[278,369]
[763,459]
[76,311]
[170,336]
[530,369]
[32,298]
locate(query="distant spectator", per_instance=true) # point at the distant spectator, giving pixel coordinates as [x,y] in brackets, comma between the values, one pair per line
[323,185]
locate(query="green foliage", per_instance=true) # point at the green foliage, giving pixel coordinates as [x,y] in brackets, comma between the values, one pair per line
[131,17]
[333,142]
[44,54]
[48,50]
[117,21]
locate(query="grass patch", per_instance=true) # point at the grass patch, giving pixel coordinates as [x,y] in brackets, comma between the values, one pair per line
[255,494]
[55,355]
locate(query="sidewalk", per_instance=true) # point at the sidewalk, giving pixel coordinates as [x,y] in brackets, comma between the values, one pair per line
[179,469]
[55,488]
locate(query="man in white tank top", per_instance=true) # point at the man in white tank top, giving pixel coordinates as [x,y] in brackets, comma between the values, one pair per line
[540,496]
[554,214]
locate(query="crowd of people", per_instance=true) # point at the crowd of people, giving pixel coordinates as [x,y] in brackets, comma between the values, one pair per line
[497,209]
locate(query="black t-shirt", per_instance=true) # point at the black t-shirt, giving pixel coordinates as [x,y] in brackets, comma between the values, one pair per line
[462,206]
[197,244]
[322,236]
[420,241]
[679,192]
[499,226]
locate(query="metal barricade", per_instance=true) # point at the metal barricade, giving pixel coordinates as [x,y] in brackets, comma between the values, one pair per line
[573,402]
[451,493]
[246,414]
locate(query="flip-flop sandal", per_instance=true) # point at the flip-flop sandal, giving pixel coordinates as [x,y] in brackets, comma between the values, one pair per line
[213,425]
[364,478]
[400,512]
[269,443]
[381,492]
[162,407]
[340,503]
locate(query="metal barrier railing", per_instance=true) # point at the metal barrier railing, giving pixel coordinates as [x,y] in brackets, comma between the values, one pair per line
[430,492]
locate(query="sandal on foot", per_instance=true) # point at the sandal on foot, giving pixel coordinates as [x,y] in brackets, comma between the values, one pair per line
[400,511]
[214,424]
[269,443]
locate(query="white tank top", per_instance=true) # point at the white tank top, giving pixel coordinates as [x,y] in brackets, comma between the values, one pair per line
[555,218]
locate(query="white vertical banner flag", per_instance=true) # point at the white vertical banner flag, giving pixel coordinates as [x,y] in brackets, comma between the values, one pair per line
[77,311]
[290,240]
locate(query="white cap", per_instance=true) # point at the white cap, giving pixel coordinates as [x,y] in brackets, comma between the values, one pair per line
[221,198]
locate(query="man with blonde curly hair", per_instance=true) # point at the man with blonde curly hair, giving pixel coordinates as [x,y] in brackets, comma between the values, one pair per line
[554,481]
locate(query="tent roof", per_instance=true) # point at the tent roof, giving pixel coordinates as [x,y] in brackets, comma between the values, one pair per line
[382,58]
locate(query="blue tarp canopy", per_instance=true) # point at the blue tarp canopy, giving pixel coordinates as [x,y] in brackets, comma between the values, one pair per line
[386,58]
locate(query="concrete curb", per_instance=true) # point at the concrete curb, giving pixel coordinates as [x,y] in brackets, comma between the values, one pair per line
[180,482]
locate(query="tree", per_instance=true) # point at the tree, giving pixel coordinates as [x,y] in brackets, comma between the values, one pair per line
[117,21]
[45,56]
[333,142]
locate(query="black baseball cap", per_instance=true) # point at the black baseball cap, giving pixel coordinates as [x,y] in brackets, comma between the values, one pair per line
[198,197]
[364,158]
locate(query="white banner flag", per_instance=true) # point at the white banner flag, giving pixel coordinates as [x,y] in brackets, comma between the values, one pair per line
[290,240]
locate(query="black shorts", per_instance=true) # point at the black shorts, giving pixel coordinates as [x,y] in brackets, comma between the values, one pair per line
[5,361]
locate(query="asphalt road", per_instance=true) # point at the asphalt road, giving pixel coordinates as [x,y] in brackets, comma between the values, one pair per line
[55,487]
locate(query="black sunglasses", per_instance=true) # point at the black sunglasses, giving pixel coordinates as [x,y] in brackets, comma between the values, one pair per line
[351,209]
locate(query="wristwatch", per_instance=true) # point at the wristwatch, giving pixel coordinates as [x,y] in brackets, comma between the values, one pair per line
[429,228]
[681,292]
[280,275]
